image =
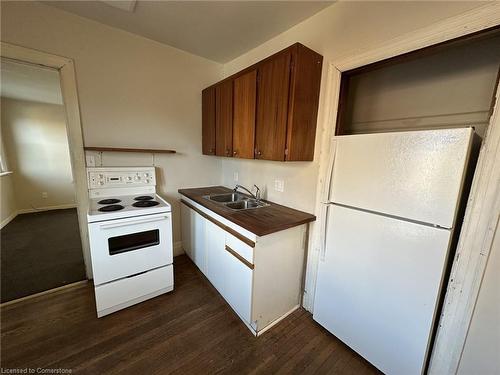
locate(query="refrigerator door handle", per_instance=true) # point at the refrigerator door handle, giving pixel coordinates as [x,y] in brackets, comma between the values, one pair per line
[324,227]
[328,178]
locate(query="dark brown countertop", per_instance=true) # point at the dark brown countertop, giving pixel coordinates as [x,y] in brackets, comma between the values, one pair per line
[261,221]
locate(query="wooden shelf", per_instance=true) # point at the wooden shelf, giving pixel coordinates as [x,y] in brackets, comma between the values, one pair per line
[119,149]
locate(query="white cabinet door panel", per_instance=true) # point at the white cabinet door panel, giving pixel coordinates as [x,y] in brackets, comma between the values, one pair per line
[238,288]
[415,175]
[216,257]
[186,225]
[198,241]
[378,286]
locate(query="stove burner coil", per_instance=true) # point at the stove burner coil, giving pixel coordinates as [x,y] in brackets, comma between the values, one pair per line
[147,203]
[143,198]
[109,201]
[113,207]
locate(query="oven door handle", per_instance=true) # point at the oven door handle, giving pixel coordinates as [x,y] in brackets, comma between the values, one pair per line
[133,222]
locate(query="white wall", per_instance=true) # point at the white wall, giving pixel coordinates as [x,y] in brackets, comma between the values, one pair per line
[8,208]
[335,32]
[133,92]
[36,148]
[482,346]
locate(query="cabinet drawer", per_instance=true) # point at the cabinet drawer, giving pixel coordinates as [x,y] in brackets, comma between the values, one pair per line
[135,289]
[238,246]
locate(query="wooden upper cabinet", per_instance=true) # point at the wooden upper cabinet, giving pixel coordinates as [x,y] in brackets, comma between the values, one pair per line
[244,104]
[272,108]
[305,84]
[268,110]
[208,121]
[224,118]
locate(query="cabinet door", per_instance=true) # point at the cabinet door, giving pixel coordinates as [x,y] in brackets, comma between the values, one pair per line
[199,254]
[224,119]
[186,214]
[238,284]
[208,121]
[272,108]
[304,98]
[216,268]
[245,90]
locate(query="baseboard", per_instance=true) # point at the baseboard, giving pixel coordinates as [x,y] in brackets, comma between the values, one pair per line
[76,284]
[178,250]
[47,208]
[8,219]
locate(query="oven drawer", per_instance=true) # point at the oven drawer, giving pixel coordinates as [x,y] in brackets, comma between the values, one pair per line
[131,290]
[124,247]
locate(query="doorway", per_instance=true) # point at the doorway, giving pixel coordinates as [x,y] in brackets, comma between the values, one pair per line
[41,247]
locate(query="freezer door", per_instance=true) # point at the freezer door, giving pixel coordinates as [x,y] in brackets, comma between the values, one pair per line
[378,286]
[416,175]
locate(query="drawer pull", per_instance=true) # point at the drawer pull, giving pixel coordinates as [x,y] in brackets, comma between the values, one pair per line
[239,257]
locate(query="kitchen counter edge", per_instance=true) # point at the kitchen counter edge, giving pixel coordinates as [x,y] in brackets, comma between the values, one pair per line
[260,221]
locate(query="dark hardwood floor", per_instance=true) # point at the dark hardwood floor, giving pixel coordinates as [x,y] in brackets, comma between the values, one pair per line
[188,331]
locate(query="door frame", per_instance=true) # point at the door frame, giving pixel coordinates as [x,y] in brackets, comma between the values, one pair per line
[66,69]
[483,207]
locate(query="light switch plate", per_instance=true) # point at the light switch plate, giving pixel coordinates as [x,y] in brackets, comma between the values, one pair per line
[279,185]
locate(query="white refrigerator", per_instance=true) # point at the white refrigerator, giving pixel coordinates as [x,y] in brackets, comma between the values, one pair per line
[389,217]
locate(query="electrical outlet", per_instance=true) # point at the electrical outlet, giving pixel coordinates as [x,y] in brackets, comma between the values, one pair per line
[279,185]
[45,195]
[235,176]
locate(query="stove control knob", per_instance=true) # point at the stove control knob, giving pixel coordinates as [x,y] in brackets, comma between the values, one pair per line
[101,182]
[147,181]
[129,178]
[146,175]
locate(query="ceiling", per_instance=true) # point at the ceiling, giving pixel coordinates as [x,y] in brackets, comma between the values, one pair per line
[216,30]
[30,82]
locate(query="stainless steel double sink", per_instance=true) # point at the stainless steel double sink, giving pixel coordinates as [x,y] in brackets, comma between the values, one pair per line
[236,201]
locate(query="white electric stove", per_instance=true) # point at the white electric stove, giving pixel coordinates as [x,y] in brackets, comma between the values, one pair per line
[130,232]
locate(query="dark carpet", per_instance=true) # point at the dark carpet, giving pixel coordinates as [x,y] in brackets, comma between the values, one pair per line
[40,251]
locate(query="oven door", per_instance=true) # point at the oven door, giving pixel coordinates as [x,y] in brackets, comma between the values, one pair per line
[126,247]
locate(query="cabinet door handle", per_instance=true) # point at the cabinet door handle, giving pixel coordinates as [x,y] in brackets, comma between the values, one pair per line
[227,152]
[239,257]
[235,153]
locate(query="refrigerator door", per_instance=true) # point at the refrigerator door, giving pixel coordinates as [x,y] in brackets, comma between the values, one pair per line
[378,286]
[416,175]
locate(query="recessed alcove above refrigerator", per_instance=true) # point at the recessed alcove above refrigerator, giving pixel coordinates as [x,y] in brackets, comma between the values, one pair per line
[445,86]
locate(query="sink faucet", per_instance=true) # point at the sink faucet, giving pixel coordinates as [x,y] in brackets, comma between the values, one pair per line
[256,195]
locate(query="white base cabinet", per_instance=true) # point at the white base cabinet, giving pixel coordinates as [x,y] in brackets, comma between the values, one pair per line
[193,234]
[216,265]
[262,284]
